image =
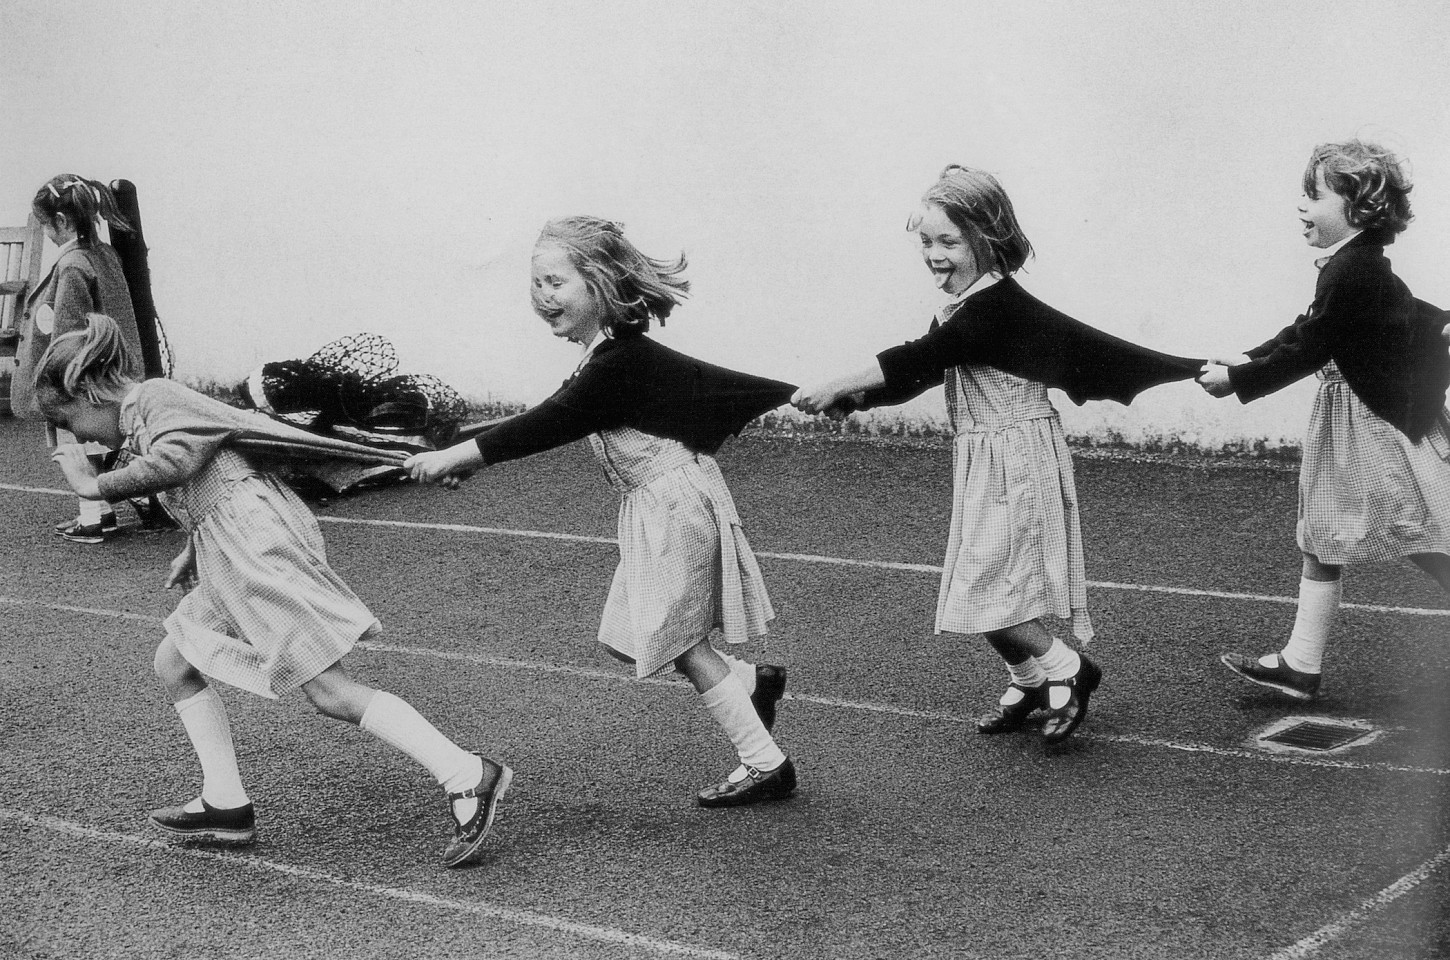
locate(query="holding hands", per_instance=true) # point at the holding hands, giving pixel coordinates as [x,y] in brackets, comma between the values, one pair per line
[1214,377]
[447,468]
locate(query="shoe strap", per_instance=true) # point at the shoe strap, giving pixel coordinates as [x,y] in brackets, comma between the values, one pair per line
[477,790]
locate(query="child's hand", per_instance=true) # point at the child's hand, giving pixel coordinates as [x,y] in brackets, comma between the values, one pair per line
[817,398]
[183,570]
[1214,379]
[448,467]
[1230,359]
[79,472]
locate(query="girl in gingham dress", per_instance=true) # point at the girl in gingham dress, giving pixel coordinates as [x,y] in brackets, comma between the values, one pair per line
[1374,483]
[686,569]
[263,611]
[1014,550]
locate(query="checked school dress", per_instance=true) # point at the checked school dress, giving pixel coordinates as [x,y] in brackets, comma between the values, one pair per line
[1014,548]
[267,614]
[1367,492]
[685,567]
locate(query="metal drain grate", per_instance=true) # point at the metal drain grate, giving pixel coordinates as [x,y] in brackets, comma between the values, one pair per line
[1316,735]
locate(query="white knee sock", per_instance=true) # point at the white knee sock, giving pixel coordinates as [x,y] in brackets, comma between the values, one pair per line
[205,718]
[90,515]
[1318,605]
[394,722]
[730,705]
[743,670]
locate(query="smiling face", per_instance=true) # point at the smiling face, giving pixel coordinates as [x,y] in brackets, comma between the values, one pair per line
[562,298]
[946,252]
[1325,215]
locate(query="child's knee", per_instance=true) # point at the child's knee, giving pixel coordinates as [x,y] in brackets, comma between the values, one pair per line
[336,697]
[170,666]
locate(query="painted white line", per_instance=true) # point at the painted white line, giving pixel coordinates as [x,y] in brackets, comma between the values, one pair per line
[479,908]
[819,559]
[1310,945]
[889,709]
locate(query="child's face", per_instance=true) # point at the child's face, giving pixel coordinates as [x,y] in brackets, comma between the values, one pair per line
[561,297]
[1325,215]
[90,422]
[946,252]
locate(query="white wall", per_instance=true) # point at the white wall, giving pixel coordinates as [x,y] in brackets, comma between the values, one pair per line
[308,170]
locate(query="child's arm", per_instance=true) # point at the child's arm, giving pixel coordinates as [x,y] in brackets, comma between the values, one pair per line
[73,300]
[79,472]
[820,397]
[183,569]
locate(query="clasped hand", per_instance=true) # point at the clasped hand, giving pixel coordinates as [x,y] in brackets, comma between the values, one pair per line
[444,467]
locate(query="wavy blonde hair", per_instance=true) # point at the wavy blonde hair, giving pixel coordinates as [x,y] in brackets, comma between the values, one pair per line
[632,288]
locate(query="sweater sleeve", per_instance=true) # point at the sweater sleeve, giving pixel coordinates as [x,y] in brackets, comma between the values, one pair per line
[588,402]
[918,365]
[74,295]
[1348,292]
[184,439]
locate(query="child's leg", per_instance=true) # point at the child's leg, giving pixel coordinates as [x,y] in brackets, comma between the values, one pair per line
[223,812]
[764,683]
[474,785]
[1320,588]
[1027,685]
[765,773]
[1070,680]
[1295,670]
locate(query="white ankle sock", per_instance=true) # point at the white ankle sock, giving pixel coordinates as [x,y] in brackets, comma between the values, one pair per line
[205,718]
[1028,673]
[1318,606]
[393,721]
[1061,662]
[730,705]
[743,670]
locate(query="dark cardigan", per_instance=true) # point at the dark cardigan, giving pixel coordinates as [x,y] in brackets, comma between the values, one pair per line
[1005,327]
[1386,342]
[636,382]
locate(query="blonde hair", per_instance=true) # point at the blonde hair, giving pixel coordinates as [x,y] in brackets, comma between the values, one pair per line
[89,364]
[632,289]
[975,202]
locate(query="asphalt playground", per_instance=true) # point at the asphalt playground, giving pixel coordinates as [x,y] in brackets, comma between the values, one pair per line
[1167,827]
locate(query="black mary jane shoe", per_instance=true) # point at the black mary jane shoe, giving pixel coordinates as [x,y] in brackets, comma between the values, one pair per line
[231,826]
[769,689]
[757,787]
[1009,718]
[463,849]
[1067,718]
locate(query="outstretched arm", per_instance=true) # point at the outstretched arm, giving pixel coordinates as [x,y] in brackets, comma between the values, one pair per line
[820,397]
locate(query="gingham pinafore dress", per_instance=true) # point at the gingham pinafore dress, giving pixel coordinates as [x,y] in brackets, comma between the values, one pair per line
[1366,492]
[267,613]
[685,567]
[1014,551]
